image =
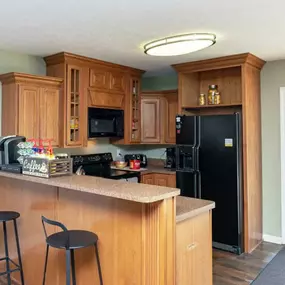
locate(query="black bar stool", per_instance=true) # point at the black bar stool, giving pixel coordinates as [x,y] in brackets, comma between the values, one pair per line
[70,240]
[6,217]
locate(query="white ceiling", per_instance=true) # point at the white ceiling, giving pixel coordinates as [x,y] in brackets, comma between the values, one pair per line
[115,30]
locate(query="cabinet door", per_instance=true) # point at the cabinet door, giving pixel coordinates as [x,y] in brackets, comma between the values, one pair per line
[49,115]
[29,116]
[150,120]
[194,251]
[99,78]
[161,180]
[117,81]
[171,109]
[75,107]
[172,180]
[148,179]
[105,100]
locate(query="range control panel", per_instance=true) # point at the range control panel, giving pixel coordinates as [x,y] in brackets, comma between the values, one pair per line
[92,158]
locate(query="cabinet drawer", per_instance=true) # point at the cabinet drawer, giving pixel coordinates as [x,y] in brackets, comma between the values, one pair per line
[99,78]
[103,99]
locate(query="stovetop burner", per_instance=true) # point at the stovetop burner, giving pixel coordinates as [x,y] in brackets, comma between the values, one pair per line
[100,165]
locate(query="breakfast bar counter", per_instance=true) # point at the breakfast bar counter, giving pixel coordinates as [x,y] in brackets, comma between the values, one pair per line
[136,225]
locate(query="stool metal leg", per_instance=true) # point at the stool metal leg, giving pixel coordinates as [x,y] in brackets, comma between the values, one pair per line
[46,260]
[73,267]
[98,264]
[67,254]
[19,252]
[6,253]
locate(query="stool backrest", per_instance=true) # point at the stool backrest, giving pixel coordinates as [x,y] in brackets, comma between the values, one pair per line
[53,223]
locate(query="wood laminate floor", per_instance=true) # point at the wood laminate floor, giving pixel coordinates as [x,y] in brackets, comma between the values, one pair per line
[231,269]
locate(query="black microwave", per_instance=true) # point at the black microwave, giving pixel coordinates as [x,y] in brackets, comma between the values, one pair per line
[105,123]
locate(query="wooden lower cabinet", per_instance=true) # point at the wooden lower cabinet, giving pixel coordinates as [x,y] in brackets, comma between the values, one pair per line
[194,251]
[159,179]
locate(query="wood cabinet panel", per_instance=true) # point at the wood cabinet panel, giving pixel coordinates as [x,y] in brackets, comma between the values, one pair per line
[99,78]
[117,81]
[194,251]
[29,116]
[108,100]
[171,110]
[150,117]
[50,124]
[159,179]
[148,179]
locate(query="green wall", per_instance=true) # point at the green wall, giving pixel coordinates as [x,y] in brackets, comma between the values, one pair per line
[166,82]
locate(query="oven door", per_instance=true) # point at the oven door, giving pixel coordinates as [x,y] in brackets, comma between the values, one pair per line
[105,123]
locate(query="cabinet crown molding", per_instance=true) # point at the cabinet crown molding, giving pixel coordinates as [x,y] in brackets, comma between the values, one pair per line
[15,77]
[220,62]
[66,56]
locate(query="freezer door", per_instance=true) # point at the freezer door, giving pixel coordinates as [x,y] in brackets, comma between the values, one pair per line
[186,130]
[219,162]
[187,183]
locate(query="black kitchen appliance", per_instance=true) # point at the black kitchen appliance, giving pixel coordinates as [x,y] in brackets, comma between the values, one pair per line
[105,123]
[170,161]
[100,165]
[141,157]
[9,153]
[208,166]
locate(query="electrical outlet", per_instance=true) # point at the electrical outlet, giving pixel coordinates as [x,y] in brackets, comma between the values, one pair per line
[118,152]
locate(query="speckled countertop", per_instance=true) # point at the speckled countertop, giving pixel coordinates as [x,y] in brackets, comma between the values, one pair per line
[150,169]
[187,208]
[141,193]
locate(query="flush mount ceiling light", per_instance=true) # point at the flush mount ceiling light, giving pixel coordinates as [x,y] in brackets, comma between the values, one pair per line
[181,44]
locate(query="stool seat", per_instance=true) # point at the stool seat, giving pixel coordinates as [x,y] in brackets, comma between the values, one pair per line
[6,216]
[72,239]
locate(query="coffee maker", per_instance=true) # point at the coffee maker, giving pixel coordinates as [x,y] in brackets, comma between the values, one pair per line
[8,150]
[170,162]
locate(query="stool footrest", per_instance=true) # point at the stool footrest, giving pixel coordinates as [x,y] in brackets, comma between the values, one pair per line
[18,268]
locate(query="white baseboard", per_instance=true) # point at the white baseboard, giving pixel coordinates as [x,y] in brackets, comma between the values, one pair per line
[272,239]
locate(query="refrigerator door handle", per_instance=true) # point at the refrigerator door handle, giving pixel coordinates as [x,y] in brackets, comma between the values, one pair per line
[197,151]
[199,185]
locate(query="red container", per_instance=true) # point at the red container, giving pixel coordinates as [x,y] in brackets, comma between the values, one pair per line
[135,164]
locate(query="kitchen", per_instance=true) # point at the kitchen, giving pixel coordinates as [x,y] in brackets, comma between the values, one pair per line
[75,119]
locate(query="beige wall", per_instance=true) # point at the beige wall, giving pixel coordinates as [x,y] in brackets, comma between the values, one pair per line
[272,78]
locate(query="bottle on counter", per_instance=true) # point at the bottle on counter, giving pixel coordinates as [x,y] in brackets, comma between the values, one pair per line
[211,94]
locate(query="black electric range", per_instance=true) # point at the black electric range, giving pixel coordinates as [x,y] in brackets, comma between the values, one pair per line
[100,165]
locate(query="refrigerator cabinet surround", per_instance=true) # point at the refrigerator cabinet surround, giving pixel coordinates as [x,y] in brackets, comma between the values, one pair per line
[210,168]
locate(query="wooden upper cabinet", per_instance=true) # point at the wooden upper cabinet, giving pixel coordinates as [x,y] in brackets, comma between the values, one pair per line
[38,99]
[50,122]
[105,100]
[118,81]
[150,120]
[171,110]
[159,110]
[29,113]
[76,110]
[99,78]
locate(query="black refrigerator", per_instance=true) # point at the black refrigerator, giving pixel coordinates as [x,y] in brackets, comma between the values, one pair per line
[209,166]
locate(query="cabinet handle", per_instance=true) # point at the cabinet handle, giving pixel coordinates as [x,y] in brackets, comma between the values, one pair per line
[191,246]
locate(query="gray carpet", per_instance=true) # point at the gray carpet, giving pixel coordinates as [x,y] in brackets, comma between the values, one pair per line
[274,272]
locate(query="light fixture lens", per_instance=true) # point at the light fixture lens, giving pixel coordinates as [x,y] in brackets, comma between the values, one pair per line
[179,45]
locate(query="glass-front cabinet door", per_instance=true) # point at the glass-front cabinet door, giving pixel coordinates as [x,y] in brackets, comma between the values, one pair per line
[74,106]
[135,110]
